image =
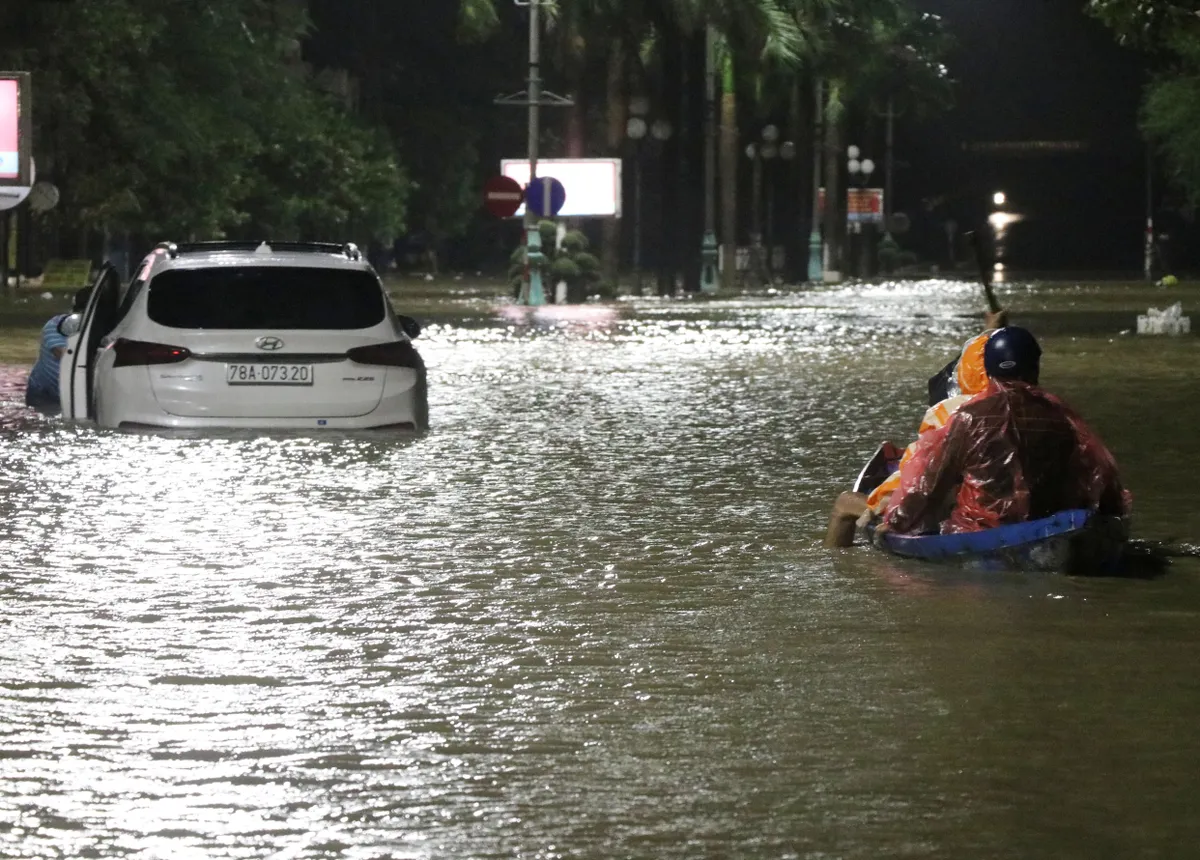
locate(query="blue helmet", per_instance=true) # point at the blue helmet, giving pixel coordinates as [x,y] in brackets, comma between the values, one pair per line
[1012,353]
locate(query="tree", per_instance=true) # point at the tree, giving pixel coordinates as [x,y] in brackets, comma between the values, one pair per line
[1170,116]
[197,121]
[1147,22]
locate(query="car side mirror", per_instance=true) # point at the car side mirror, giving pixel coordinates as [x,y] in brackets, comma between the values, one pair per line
[410,326]
[69,324]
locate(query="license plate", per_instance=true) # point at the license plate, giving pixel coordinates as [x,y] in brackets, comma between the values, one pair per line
[269,374]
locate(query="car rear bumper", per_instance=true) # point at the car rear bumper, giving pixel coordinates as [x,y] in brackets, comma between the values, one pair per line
[172,422]
[403,406]
[406,410]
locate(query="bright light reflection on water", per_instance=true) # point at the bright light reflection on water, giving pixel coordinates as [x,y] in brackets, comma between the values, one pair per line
[587,615]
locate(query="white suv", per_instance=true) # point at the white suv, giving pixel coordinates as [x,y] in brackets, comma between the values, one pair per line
[245,334]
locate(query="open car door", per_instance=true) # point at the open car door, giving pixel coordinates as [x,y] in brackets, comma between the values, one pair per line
[78,362]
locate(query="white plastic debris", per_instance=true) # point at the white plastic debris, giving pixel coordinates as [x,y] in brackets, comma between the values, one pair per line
[1167,321]
[47,295]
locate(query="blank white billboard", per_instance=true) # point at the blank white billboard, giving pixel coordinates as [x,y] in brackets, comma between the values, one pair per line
[593,185]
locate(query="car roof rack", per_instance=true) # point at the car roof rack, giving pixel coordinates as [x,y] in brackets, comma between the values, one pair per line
[174,249]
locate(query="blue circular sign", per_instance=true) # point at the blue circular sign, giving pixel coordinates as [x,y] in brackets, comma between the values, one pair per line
[535,195]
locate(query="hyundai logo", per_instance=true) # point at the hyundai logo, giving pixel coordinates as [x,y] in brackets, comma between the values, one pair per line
[270,343]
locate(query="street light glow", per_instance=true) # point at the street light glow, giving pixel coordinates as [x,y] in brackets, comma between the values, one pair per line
[999,198]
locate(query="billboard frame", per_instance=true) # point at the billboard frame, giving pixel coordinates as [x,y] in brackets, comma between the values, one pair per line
[545,167]
[24,177]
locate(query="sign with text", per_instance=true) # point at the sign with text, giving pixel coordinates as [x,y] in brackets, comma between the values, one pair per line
[16,139]
[592,185]
[863,205]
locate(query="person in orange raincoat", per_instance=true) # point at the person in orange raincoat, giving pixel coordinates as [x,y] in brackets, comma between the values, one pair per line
[956,384]
[969,378]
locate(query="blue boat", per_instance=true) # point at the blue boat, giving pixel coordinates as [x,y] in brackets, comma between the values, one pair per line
[1073,541]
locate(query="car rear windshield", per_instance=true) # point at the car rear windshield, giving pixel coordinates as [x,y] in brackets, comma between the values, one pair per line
[265,297]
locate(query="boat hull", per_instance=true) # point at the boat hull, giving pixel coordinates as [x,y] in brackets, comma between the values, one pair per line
[1073,541]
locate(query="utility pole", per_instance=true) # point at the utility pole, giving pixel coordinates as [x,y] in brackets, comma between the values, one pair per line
[1148,249]
[709,278]
[887,246]
[887,166]
[532,291]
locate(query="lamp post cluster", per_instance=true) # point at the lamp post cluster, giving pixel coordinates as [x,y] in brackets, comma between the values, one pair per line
[860,169]
[763,156]
[636,129]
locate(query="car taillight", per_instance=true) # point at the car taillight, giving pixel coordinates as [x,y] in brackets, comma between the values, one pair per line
[398,353]
[137,352]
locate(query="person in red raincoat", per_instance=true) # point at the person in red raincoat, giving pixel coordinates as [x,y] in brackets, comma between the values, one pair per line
[1012,453]
[950,388]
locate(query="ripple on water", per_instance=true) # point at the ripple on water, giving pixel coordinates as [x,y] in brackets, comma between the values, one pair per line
[585,615]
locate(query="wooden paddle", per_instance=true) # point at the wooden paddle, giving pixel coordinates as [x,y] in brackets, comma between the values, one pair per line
[985,273]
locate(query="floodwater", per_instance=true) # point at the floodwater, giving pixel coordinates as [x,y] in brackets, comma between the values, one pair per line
[588,614]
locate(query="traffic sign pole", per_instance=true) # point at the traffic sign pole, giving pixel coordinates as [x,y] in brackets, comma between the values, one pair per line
[532,292]
[533,99]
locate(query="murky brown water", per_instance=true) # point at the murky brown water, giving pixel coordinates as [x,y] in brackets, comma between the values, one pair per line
[588,614]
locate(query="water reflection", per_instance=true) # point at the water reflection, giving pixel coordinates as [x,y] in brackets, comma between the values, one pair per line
[587,613]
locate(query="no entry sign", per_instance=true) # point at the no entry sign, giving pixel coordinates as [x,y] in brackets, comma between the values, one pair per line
[502,196]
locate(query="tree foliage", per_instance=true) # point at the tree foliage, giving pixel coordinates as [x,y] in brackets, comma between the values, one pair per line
[196,119]
[210,118]
[1171,102]
[1147,23]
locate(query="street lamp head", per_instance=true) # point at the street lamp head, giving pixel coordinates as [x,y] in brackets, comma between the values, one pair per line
[854,165]
[787,151]
[770,151]
[639,105]
[635,128]
[770,134]
[999,198]
[852,152]
[661,129]
[868,167]
[751,151]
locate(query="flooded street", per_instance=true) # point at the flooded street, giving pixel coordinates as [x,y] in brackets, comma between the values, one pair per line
[588,614]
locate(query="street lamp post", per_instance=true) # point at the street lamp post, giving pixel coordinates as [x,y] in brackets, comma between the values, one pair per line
[636,129]
[532,292]
[815,263]
[534,98]
[709,278]
[785,151]
[769,152]
[758,153]
[860,170]
[660,131]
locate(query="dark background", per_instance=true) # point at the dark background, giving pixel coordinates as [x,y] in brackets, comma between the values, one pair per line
[1039,70]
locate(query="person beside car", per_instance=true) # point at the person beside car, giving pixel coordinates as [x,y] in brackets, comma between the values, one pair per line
[41,390]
